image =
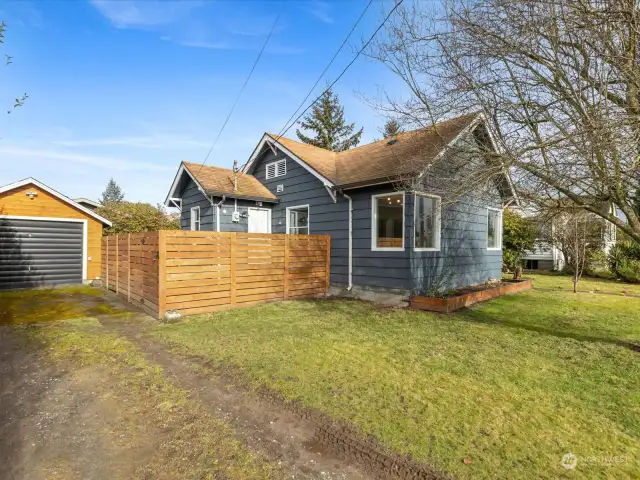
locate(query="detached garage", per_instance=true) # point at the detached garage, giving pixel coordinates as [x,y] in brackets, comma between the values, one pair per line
[46,238]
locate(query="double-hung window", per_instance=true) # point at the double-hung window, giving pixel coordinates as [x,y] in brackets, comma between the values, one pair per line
[298,220]
[387,232]
[494,229]
[276,169]
[427,222]
[195,218]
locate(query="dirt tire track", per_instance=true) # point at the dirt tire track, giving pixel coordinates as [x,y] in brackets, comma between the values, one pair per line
[308,441]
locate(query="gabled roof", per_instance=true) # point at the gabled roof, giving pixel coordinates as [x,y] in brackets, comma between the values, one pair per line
[42,186]
[218,181]
[378,161]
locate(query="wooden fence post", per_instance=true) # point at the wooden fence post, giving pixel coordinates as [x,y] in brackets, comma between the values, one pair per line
[117,265]
[129,267]
[233,267]
[327,252]
[162,273]
[286,266]
[107,262]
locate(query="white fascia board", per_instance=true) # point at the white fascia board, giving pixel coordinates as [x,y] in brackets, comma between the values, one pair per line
[176,180]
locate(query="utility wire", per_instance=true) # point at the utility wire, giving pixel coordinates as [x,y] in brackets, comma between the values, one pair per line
[282,132]
[329,64]
[241,90]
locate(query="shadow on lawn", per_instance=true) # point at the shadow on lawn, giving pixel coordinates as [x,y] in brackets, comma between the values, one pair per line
[480,315]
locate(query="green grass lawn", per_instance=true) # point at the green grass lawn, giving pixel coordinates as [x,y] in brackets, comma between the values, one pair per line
[512,384]
[586,284]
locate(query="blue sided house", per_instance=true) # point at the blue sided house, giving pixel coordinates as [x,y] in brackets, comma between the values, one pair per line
[386,238]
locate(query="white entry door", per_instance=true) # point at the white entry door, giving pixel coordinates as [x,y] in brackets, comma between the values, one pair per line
[259,220]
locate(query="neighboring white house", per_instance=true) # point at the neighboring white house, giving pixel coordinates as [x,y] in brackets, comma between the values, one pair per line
[549,257]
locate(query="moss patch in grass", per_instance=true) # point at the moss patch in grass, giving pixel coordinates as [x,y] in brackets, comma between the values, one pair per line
[512,385]
[50,304]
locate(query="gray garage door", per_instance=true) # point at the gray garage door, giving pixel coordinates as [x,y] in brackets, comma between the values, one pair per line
[36,253]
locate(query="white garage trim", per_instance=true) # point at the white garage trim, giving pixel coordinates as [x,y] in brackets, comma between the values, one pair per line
[58,219]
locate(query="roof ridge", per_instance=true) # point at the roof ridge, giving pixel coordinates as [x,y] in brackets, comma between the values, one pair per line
[278,137]
[207,166]
[415,130]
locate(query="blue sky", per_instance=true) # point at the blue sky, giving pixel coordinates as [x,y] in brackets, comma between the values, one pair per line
[127,89]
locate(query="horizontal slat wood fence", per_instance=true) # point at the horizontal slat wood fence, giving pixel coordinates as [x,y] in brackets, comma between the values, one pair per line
[199,272]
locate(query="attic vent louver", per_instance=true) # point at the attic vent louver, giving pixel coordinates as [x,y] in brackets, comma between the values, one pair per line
[392,141]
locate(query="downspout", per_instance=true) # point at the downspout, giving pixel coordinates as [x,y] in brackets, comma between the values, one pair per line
[350,286]
[218,205]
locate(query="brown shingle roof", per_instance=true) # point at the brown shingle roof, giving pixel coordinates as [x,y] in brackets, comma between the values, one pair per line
[379,160]
[219,181]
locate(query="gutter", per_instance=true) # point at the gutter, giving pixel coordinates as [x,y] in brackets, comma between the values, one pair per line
[242,197]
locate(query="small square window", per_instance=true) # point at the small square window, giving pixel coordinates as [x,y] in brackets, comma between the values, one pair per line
[195,218]
[388,221]
[426,222]
[494,229]
[298,220]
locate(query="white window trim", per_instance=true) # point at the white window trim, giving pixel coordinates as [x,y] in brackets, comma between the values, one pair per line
[275,169]
[499,247]
[296,207]
[438,219]
[192,221]
[374,214]
[268,210]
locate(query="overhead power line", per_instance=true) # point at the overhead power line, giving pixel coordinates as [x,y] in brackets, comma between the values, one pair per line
[344,42]
[289,125]
[241,90]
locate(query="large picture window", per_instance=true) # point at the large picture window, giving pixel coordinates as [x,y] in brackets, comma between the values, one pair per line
[298,220]
[387,221]
[494,229]
[426,221]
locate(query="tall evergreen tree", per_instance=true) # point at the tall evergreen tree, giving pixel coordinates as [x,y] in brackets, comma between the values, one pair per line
[391,129]
[113,193]
[327,121]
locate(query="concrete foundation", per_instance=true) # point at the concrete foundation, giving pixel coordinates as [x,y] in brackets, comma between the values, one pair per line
[390,297]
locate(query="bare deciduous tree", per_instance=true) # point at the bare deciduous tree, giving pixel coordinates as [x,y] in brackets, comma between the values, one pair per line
[557,81]
[576,233]
[19,101]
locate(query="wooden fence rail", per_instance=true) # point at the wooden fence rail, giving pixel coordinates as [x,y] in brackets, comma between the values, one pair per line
[198,272]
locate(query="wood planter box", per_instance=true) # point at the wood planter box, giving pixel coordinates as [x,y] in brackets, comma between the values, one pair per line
[451,304]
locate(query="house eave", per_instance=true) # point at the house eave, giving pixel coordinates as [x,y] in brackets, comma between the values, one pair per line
[368,183]
[213,193]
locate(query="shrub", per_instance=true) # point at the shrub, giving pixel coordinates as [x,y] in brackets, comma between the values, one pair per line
[519,237]
[629,271]
[130,217]
[595,262]
[624,261]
